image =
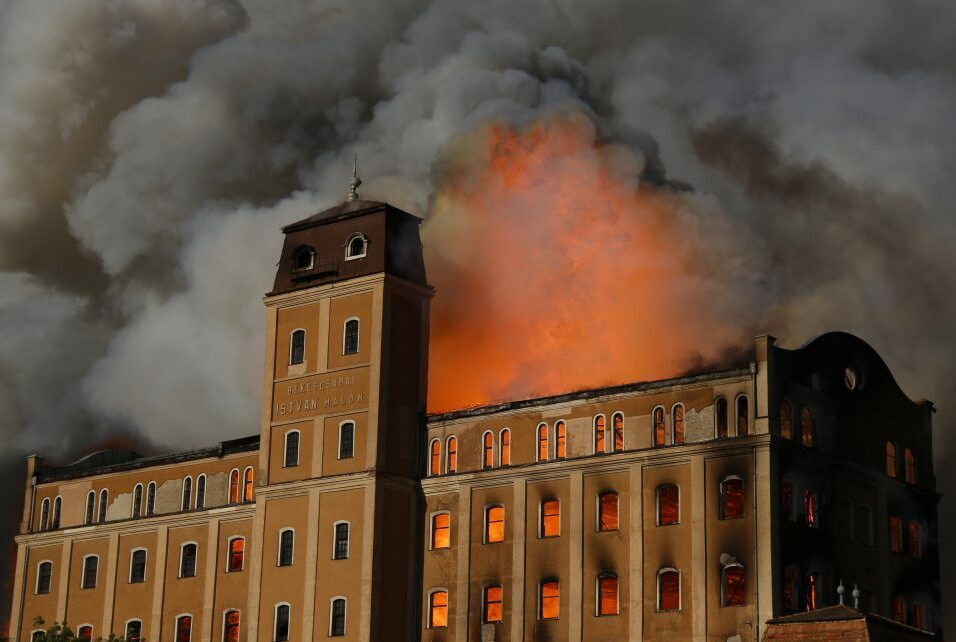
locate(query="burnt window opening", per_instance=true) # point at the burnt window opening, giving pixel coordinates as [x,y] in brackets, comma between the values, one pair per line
[899,610]
[137,566]
[677,423]
[184,626]
[230,631]
[281,623]
[347,440]
[340,549]
[733,585]
[608,518]
[891,460]
[560,440]
[234,486]
[789,591]
[732,498]
[291,457]
[909,466]
[236,555]
[811,591]
[187,560]
[201,491]
[607,595]
[488,450]
[504,438]
[786,500]
[434,458]
[549,600]
[90,507]
[668,590]
[659,430]
[297,347]
[337,617]
[494,524]
[90,566]
[811,514]
[350,337]
[617,423]
[303,258]
[743,415]
[248,480]
[786,419]
[543,445]
[599,436]
[452,463]
[720,417]
[492,608]
[550,524]
[896,534]
[438,609]
[668,505]
[44,577]
[355,246]
[441,531]
[286,547]
[914,547]
[808,429]
[918,621]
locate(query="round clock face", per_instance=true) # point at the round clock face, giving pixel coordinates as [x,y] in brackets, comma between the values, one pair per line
[851,378]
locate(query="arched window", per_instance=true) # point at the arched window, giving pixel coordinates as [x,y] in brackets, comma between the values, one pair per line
[786,500]
[303,258]
[452,463]
[297,347]
[337,617]
[491,606]
[350,337]
[57,505]
[543,442]
[504,439]
[187,559]
[441,530]
[550,524]
[286,547]
[438,609]
[90,508]
[247,484]
[743,415]
[919,620]
[346,440]
[913,540]
[230,629]
[137,500]
[340,546]
[668,589]
[281,628]
[84,632]
[44,577]
[187,493]
[617,423]
[899,610]
[90,566]
[891,459]
[134,630]
[488,450]
[494,524]
[896,534]
[810,515]
[733,584]
[668,505]
[237,551]
[549,600]
[811,591]
[660,438]
[434,460]
[151,499]
[677,423]
[608,511]
[201,491]
[45,514]
[291,455]
[104,504]
[234,486]
[607,596]
[808,431]
[560,440]
[789,592]
[184,628]
[599,435]
[786,419]
[909,466]
[720,417]
[732,498]
[355,246]
[137,566]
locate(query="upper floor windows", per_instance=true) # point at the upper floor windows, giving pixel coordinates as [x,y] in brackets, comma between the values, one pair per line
[90,508]
[137,566]
[57,506]
[617,423]
[44,577]
[187,493]
[434,458]
[608,511]
[668,505]
[438,609]
[550,519]
[441,531]
[720,417]
[732,498]
[340,545]
[677,423]
[350,337]
[786,419]
[355,246]
[504,441]
[549,600]
[599,434]
[297,347]
[810,508]
[303,258]
[286,547]
[451,446]
[560,440]
[290,457]
[104,504]
[808,429]
[668,589]
[494,524]
[543,446]
[236,554]
[491,604]
[337,617]
[151,499]
[909,466]
[187,559]
[137,500]
[90,566]
[346,440]
[45,514]
[733,585]
[659,430]
[607,595]
[201,491]
[743,415]
[234,486]
[488,450]
[248,483]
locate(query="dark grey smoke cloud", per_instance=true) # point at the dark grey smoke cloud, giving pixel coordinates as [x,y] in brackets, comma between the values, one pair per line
[149,151]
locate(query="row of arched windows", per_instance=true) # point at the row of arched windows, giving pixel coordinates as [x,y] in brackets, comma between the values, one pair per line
[892,463]
[809,503]
[303,257]
[350,341]
[346,446]
[240,489]
[808,430]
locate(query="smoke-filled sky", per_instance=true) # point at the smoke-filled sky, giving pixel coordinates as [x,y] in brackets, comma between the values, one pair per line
[746,167]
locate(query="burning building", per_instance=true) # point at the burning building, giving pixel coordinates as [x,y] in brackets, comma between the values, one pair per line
[698,507]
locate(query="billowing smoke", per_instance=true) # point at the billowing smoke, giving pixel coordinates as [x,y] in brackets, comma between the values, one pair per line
[744,167]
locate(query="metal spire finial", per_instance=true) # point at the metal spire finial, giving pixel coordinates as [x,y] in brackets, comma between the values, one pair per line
[840,591]
[856,596]
[354,183]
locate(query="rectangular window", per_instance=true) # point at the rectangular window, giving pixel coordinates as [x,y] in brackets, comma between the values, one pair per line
[550,518]
[44,576]
[608,512]
[732,498]
[441,530]
[346,440]
[90,565]
[341,550]
[896,535]
[668,505]
[137,570]
[184,627]
[187,561]
[549,600]
[237,549]
[337,624]
[607,595]
[291,448]
[351,341]
[438,609]
[134,629]
[492,607]
[494,524]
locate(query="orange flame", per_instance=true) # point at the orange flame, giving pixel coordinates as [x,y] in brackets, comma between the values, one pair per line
[555,268]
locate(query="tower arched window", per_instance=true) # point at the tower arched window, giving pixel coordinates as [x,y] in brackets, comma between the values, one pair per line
[909,466]
[743,415]
[137,566]
[90,507]
[720,417]
[617,424]
[248,479]
[297,347]
[550,525]
[677,423]
[434,458]
[913,540]
[303,258]
[201,491]
[660,438]
[44,577]
[184,628]
[90,566]
[542,442]
[187,559]
[340,545]
[899,610]
[494,524]
[137,500]
[786,419]
[291,456]
[57,506]
[488,450]
[560,440]
[452,447]
[286,547]
[504,448]
[810,509]
[668,589]
[441,531]
[355,246]
[808,430]
[187,493]
[236,555]
[786,500]
[104,504]
[549,600]
[891,459]
[151,499]
[599,434]
[896,534]
[346,440]
[733,585]
[350,337]
[45,514]
[790,575]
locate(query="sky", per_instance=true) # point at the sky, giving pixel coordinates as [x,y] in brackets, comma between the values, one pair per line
[753,167]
